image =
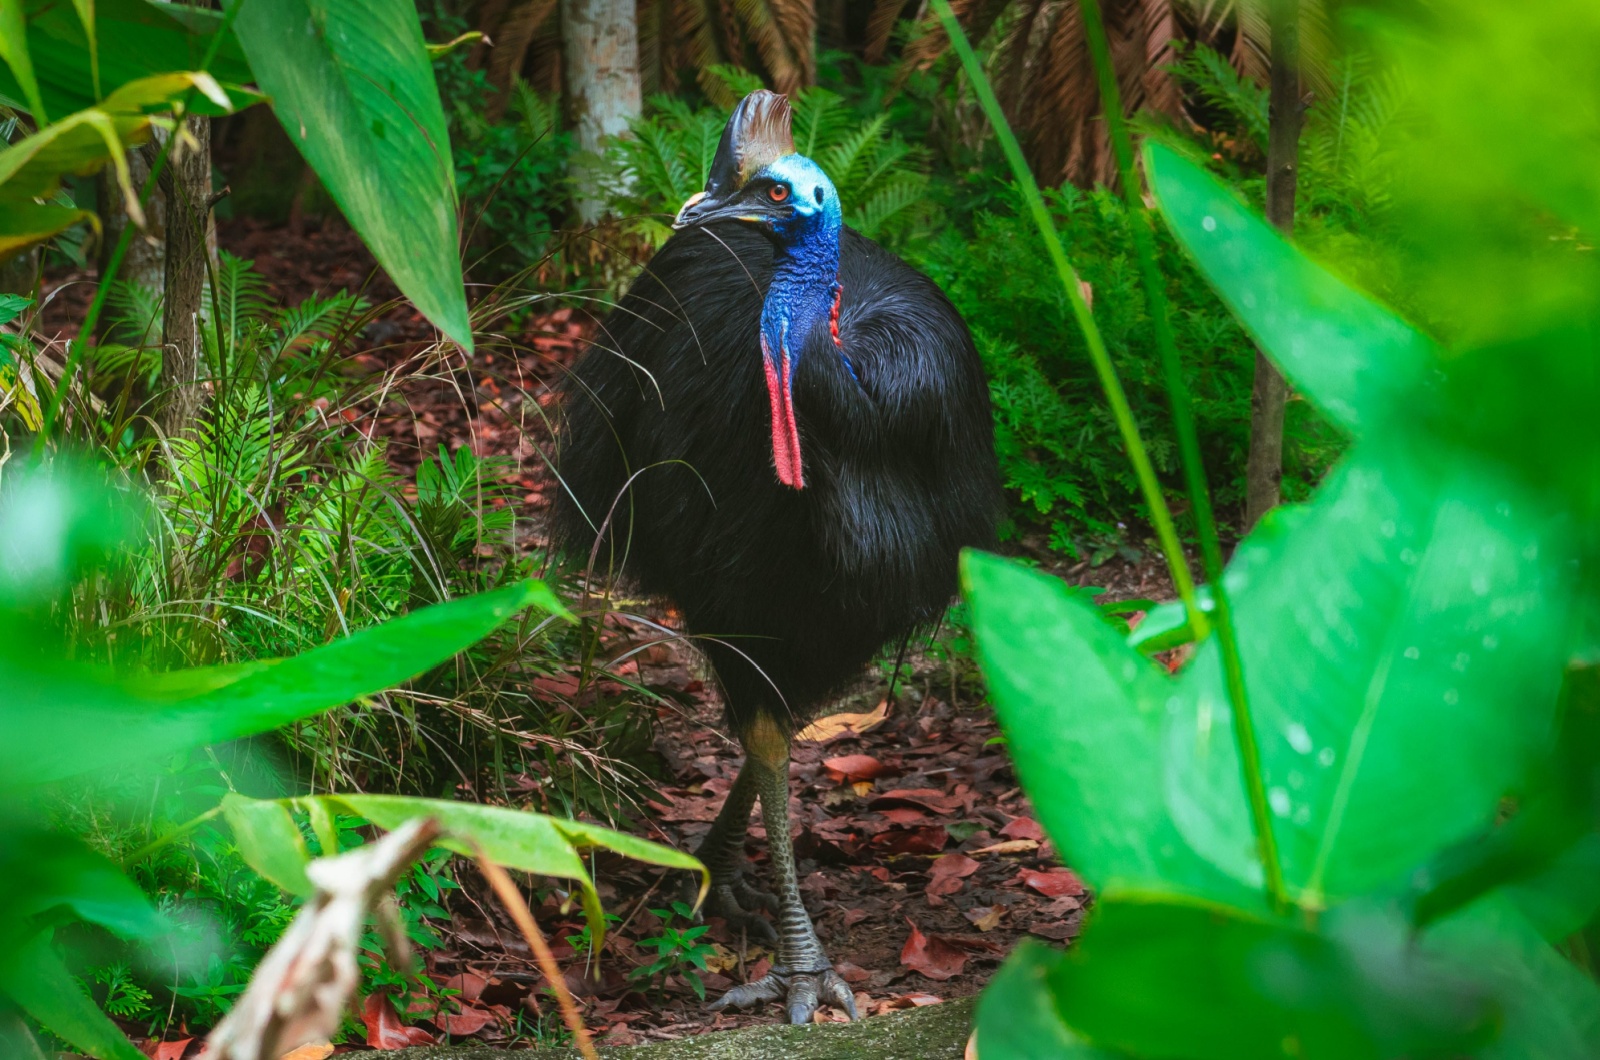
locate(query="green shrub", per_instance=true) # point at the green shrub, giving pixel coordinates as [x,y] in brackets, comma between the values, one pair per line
[1058,447]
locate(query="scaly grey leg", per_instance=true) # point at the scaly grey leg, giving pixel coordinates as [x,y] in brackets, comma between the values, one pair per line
[803,978]
[722,850]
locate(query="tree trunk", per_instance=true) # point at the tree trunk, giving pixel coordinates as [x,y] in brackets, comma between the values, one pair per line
[600,43]
[188,224]
[1264,471]
[145,262]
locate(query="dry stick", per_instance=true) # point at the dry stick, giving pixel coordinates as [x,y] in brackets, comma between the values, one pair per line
[512,899]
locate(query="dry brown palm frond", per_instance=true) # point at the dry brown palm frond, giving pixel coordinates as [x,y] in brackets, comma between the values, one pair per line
[1048,81]
[514,36]
[1042,74]
[880,27]
[977,17]
[774,37]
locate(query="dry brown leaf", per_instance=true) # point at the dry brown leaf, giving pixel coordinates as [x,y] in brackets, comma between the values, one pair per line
[837,726]
[1009,846]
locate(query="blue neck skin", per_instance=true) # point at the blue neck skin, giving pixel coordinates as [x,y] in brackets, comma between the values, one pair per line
[805,279]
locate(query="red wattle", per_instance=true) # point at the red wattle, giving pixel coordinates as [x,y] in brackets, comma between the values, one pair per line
[785,433]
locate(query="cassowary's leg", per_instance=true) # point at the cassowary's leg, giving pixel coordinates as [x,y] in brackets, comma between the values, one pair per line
[722,850]
[803,978]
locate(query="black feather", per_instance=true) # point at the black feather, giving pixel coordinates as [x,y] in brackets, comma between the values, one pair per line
[790,592]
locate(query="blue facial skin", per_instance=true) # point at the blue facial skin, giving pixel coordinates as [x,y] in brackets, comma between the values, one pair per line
[805,279]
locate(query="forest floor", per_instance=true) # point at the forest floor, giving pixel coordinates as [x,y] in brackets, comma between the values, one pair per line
[920,859]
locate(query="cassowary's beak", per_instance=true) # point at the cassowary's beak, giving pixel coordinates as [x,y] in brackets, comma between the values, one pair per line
[785,432]
[702,209]
[756,135]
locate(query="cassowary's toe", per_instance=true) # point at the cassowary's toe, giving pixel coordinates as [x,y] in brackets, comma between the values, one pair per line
[733,902]
[801,993]
[753,898]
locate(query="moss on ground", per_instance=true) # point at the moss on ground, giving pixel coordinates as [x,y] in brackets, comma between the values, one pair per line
[935,1032]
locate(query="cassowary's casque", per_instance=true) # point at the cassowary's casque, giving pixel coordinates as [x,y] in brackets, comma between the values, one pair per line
[784,430]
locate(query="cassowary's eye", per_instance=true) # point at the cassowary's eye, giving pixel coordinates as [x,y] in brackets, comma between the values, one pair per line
[817,191]
[778,192]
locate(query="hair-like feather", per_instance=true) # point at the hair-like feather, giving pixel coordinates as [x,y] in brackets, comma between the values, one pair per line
[665,440]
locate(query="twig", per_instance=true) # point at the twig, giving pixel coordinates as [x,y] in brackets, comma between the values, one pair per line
[515,905]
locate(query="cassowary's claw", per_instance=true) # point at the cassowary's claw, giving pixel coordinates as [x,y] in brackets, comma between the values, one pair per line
[801,992]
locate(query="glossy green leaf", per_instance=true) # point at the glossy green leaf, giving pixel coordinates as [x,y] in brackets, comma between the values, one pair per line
[44,871]
[137,38]
[515,839]
[1356,360]
[1383,630]
[1017,1015]
[1382,639]
[80,143]
[37,981]
[14,52]
[119,719]
[24,223]
[353,86]
[1161,978]
[1085,716]
[1549,1009]
[269,841]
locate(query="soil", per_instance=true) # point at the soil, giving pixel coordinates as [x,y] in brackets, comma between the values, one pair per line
[920,859]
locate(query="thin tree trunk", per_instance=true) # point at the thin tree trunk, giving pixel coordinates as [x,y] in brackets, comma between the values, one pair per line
[600,43]
[188,223]
[145,262]
[1270,393]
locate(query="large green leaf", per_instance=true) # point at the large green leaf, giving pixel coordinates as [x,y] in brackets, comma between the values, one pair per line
[42,986]
[353,86]
[1161,978]
[137,38]
[1382,632]
[1353,358]
[1382,641]
[516,839]
[1017,1015]
[116,719]
[22,224]
[15,55]
[45,871]
[1085,715]
[1550,1010]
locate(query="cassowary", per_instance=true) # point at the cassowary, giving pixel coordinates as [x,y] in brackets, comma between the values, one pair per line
[784,430]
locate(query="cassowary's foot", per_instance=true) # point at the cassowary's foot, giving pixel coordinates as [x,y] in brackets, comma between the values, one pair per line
[800,992]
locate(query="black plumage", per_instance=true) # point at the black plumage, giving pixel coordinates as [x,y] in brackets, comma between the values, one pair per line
[791,592]
[681,472]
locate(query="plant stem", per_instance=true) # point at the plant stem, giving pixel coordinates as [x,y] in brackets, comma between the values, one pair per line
[1189,449]
[522,916]
[1160,516]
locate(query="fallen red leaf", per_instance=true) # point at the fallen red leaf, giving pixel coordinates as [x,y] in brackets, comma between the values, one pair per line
[469,1020]
[854,767]
[1023,828]
[1058,930]
[851,973]
[172,1050]
[928,840]
[927,798]
[384,1029]
[933,956]
[946,874]
[906,816]
[1053,883]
